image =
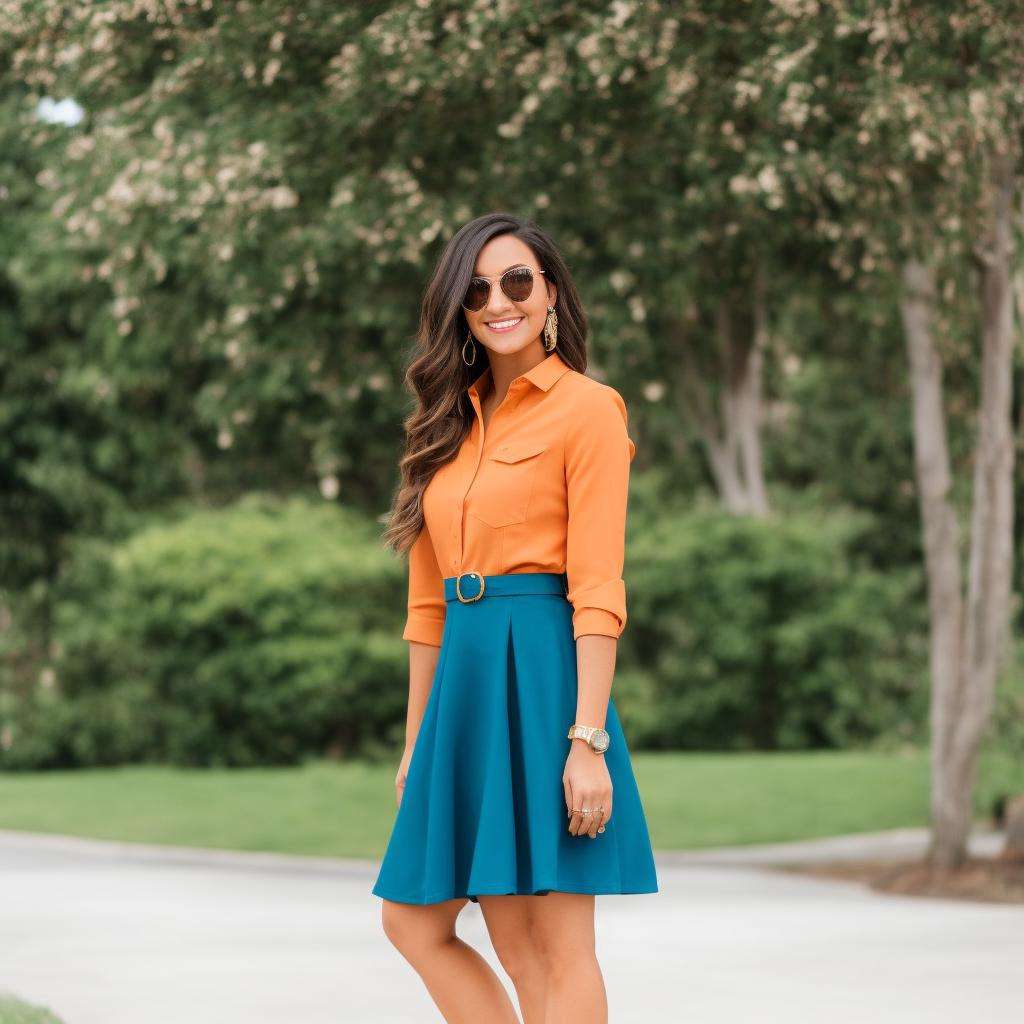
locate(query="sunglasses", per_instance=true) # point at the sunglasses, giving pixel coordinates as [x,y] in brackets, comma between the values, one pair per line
[516,283]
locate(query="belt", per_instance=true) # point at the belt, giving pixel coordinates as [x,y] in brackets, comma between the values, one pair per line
[459,588]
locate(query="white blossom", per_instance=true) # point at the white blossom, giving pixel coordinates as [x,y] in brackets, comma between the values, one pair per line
[237,315]
[621,280]
[271,71]
[282,197]
[921,144]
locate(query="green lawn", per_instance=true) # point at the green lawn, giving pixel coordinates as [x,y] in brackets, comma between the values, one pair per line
[14,1011]
[692,800]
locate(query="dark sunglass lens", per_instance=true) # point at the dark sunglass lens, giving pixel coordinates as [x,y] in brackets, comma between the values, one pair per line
[517,283]
[477,294]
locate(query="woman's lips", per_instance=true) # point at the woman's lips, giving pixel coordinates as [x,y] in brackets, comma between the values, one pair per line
[504,330]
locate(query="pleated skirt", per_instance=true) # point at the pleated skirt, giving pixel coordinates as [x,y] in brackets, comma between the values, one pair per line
[483,811]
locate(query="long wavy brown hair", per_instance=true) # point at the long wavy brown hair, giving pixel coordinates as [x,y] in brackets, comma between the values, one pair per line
[437,375]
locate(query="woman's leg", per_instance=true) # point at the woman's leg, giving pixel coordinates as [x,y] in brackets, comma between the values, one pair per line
[508,921]
[458,978]
[564,926]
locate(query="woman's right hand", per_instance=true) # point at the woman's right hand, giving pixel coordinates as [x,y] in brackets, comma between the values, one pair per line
[403,771]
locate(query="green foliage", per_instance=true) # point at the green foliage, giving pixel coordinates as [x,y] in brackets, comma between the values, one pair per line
[768,634]
[257,634]
[209,286]
[1007,729]
[842,438]
[15,1011]
[215,274]
[269,631]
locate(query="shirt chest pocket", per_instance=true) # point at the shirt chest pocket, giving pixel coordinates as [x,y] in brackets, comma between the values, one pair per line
[501,496]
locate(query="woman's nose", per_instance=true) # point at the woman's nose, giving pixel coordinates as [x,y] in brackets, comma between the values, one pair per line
[499,304]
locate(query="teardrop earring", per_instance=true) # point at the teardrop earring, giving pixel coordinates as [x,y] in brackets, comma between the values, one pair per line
[551,330]
[469,341]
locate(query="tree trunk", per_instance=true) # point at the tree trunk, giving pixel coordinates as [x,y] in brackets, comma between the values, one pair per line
[750,406]
[967,638]
[1014,848]
[941,536]
[731,433]
[991,557]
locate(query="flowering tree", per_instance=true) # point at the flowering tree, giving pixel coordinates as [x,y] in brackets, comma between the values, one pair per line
[937,178]
[261,187]
[245,214]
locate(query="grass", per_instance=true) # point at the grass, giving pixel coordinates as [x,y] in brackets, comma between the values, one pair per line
[692,800]
[14,1011]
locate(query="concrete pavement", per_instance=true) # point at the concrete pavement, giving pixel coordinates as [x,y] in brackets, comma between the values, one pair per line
[116,933]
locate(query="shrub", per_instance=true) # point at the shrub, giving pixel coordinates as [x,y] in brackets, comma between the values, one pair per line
[270,631]
[256,634]
[770,633]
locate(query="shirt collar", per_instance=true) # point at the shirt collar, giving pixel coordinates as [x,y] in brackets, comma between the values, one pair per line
[543,375]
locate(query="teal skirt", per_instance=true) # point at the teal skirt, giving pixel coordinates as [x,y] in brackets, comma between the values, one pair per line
[483,811]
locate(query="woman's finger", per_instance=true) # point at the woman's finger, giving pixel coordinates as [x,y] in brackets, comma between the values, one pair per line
[576,805]
[586,803]
[597,823]
[575,819]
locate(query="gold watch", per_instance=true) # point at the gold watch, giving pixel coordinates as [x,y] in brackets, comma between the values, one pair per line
[597,738]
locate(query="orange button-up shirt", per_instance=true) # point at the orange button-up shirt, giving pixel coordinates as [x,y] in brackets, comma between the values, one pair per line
[543,489]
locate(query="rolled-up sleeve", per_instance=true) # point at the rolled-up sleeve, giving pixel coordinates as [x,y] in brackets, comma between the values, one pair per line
[426,607]
[598,452]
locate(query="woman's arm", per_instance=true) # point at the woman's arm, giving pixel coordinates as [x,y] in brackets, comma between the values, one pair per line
[598,452]
[425,606]
[422,665]
[424,626]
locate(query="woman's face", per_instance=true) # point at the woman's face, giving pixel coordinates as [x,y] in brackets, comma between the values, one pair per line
[503,325]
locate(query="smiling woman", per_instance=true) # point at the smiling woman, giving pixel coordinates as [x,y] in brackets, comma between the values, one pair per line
[515,510]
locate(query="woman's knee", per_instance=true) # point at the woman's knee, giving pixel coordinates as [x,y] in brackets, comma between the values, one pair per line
[410,927]
[520,954]
[563,930]
[566,964]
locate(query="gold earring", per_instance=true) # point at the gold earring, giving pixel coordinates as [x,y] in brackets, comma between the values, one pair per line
[469,341]
[551,330]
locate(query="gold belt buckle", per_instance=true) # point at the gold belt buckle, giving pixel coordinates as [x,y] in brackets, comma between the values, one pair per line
[458,589]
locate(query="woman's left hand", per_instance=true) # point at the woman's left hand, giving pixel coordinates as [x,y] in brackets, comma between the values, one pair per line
[586,783]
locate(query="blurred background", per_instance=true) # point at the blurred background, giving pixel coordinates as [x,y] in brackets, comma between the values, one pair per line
[795,226]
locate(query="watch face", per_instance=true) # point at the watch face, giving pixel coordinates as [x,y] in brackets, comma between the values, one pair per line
[599,741]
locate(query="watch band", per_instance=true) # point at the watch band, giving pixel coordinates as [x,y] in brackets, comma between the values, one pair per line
[596,737]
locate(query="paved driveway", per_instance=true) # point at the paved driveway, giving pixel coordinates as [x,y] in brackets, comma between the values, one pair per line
[109,933]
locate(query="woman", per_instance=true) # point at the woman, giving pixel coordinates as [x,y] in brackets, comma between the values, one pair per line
[513,509]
